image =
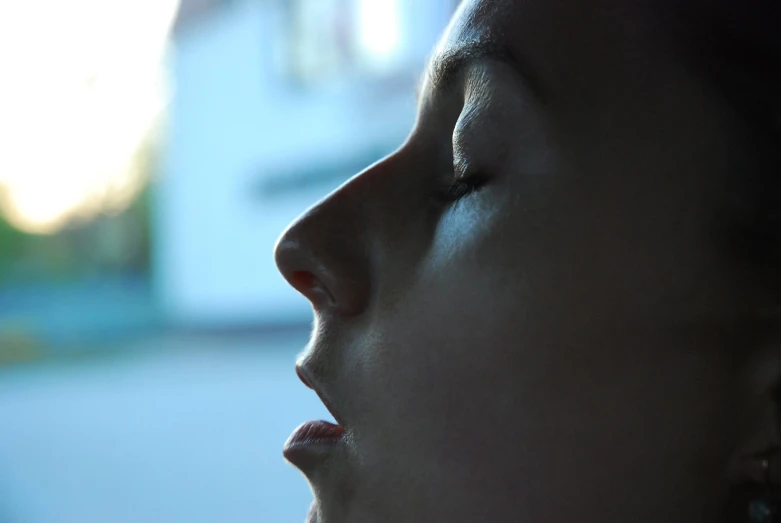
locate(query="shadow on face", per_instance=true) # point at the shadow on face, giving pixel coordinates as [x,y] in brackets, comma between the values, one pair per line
[530,311]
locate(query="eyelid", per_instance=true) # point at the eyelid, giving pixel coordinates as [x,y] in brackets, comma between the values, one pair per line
[461,165]
[460,148]
[465,123]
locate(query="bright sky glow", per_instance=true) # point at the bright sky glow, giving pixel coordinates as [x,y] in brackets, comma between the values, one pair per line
[82,85]
[379,28]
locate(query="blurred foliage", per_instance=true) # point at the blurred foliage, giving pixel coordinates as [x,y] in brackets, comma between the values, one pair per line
[18,344]
[12,242]
[107,243]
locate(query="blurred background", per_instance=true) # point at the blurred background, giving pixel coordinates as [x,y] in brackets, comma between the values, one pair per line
[151,152]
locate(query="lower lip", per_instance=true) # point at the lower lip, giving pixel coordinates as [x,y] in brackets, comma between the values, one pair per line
[312,442]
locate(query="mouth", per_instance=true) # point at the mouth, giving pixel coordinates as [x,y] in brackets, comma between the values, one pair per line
[314,441]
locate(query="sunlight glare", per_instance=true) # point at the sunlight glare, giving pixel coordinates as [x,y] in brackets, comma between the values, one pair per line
[83,88]
[379,28]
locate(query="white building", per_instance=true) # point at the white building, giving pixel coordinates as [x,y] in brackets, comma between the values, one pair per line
[276,103]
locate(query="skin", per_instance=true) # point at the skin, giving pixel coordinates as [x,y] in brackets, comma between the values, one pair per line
[571,342]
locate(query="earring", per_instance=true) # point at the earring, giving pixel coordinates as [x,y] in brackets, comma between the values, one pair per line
[765,509]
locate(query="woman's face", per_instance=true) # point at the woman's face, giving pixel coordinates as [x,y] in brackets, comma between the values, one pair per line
[548,340]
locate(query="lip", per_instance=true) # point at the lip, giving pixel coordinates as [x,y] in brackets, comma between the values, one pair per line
[306,378]
[312,443]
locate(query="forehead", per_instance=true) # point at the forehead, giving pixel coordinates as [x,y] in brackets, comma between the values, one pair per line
[518,20]
[568,44]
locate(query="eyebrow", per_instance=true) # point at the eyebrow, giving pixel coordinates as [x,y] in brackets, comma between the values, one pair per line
[444,70]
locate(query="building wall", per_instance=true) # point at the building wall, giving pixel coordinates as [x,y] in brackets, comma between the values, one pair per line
[238,131]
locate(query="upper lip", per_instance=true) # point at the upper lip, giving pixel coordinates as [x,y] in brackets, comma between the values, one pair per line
[306,377]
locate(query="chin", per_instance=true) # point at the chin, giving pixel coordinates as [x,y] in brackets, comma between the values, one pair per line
[320,512]
[332,511]
[313,516]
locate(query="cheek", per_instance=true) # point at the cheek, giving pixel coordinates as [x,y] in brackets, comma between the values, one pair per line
[458,352]
[489,366]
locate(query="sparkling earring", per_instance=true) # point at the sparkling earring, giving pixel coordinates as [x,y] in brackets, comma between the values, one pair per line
[765,509]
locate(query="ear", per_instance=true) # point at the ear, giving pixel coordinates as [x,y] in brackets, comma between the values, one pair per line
[758,449]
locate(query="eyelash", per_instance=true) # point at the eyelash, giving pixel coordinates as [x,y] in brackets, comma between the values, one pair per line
[460,188]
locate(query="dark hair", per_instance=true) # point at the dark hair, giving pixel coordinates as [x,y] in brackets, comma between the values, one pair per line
[736,47]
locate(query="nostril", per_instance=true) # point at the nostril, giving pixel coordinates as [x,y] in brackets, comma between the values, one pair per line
[333,280]
[310,286]
[303,280]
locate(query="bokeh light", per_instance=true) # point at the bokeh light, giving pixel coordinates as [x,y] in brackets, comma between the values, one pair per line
[379,30]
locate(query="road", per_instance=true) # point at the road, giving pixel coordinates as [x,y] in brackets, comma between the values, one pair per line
[177,430]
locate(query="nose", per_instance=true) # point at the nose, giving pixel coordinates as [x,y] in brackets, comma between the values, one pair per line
[301,375]
[322,255]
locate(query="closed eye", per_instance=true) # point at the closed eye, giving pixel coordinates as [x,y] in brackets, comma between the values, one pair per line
[460,188]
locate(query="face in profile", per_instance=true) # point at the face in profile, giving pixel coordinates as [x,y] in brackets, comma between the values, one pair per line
[527,313]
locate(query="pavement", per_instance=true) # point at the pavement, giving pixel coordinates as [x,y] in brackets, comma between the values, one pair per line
[171,429]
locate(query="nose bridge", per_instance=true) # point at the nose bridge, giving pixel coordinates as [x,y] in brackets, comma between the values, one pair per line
[326,253]
[333,252]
